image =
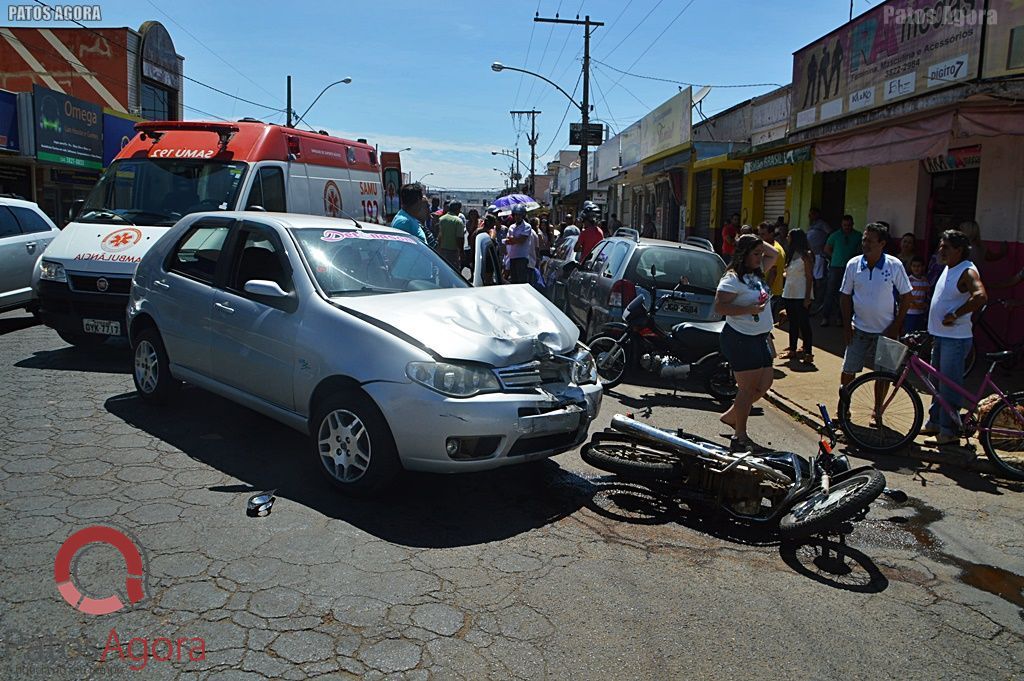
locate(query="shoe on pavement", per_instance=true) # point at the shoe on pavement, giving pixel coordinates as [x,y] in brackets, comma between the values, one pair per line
[930,429]
[941,440]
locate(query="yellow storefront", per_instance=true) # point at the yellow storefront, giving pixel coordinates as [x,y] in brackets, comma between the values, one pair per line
[777,185]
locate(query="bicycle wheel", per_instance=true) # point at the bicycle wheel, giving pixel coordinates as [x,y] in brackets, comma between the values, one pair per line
[1002,436]
[899,421]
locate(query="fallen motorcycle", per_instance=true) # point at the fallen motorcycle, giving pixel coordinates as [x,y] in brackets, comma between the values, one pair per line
[802,496]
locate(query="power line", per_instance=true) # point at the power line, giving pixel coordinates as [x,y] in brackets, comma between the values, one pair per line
[680,82]
[554,65]
[533,27]
[655,41]
[210,50]
[630,93]
[183,76]
[601,38]
[533,83]
[605,100]
[568,106]
[634,28]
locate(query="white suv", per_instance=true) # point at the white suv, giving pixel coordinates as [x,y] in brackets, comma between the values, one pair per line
[25,232]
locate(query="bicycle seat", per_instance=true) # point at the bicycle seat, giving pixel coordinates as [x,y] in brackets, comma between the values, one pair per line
[998,356]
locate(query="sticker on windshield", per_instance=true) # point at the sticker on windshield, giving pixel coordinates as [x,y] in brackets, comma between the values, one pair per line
[121,239]
[331,235]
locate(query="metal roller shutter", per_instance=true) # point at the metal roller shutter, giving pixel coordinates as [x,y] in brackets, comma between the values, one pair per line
[732,194]
[774,200]
[702,211]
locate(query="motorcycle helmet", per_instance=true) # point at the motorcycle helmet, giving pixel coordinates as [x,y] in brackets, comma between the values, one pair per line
[590,211]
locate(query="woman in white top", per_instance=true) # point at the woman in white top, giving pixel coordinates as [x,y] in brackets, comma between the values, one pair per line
[797,294]
[742,296]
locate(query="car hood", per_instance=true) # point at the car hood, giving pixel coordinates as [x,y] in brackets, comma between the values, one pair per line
[87,247]
[497,325]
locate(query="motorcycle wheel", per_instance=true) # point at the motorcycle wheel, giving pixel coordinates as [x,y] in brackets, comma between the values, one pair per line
[611,368]
[631,460]
[721,383]
[819,511]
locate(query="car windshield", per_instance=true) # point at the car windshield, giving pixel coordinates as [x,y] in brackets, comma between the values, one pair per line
[698,271]
[160,191]
[349,262]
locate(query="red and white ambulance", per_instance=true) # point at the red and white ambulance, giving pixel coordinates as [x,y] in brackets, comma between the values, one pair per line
[173,168]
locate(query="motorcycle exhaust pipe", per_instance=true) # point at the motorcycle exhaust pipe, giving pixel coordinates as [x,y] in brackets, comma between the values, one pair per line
[643,431]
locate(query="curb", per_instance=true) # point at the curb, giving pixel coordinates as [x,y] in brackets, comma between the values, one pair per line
[928,455]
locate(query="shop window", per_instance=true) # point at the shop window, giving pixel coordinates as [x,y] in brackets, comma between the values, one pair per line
[158,104]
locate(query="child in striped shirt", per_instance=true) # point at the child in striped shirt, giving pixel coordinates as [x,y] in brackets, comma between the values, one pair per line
[920,292]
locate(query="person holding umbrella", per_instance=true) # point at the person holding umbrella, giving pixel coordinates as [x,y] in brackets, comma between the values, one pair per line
[519,243]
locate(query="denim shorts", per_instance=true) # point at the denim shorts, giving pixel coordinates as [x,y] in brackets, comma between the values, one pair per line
[745,353]
[861,348]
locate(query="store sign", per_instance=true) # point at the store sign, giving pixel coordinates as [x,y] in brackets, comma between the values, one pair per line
[899,49]
[68,130]
[956,159]
[159,59]
[8,121]
[1004,40]
[667,126]
[607,159]
[779,159]
[593,138]
[769,119]
[629,145]
[117,133]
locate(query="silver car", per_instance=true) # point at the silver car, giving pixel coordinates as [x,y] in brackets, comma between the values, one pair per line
[365,339]
[25,232]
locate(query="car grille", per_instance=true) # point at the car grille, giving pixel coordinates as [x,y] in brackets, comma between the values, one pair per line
[84,283]
[537,372]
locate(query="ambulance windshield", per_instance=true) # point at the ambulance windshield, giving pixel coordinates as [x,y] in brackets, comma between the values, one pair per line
[160,191]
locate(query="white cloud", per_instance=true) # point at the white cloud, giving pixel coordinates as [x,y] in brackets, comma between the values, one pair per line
[390,142]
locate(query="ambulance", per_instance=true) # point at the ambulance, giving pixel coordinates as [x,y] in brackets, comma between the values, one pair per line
[173,168]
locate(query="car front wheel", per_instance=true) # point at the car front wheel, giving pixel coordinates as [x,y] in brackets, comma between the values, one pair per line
[151,368]
[353,444]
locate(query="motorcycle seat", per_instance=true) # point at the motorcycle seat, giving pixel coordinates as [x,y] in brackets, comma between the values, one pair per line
[698,328]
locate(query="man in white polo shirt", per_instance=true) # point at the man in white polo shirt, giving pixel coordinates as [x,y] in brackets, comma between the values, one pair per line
[867,301]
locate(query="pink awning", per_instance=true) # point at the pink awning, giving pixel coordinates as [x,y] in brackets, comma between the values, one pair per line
[1004,120]
[916,140]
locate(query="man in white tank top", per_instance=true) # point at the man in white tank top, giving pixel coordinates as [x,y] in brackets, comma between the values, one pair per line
[958,293]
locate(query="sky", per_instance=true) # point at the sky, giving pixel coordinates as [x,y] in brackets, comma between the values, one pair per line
[421,73]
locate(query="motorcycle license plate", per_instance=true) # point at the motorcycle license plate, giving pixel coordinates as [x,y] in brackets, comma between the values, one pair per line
[103,327]
[681,307]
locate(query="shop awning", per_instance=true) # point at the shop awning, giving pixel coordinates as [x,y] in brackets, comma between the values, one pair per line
[990,122]
[911,141]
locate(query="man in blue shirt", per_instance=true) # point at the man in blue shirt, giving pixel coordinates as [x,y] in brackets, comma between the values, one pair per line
[414,209]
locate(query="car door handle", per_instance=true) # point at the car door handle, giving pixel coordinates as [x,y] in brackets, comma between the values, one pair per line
[224,307]
[161,283]
[30,246]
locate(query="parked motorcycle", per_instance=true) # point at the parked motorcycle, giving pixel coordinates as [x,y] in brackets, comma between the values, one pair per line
[802,496]
[690,348]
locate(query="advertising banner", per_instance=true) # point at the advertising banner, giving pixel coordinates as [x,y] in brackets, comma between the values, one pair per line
[629,145]
[118,131]
[607,159]
[956,159]
[898,50]
[667,126]
[770,118]
[9,121]
[68,130]
[1004,39]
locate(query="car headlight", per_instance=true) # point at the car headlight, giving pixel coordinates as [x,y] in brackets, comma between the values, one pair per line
[52,271]
[454,380]
[584,368]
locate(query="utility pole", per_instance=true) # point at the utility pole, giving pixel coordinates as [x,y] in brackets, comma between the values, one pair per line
[585,105]
[532,139]
[289,123]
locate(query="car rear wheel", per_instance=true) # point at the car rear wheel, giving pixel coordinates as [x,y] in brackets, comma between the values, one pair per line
[151,368]
[353,444]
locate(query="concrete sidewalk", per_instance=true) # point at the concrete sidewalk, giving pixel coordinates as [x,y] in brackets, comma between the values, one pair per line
[799,387]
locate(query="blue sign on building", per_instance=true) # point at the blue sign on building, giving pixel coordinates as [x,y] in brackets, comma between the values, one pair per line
[117,133]
[8,121]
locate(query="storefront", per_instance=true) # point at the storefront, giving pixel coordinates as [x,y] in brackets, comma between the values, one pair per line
[15,171]
[773,185]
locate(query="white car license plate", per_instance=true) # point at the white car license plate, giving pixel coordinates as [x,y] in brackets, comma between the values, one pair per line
[102,326]
[683,308]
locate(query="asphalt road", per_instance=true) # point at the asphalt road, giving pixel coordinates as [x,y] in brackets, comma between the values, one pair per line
[547,571]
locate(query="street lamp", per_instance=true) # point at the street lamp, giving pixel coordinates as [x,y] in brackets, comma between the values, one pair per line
[421,179]
[344,81]
[498,67]
[401,150]
[502,153]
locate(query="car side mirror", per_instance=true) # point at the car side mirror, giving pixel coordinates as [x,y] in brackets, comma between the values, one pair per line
[75,208]
[264,288]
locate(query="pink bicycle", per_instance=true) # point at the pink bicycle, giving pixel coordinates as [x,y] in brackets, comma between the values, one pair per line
[882,412]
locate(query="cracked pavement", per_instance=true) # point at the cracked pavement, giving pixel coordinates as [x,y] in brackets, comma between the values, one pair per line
[547,571]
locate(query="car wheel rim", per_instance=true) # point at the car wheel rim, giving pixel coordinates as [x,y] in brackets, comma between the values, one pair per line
[147,367]
[344,445]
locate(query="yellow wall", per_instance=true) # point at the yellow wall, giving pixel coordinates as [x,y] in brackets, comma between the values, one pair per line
[753,193]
